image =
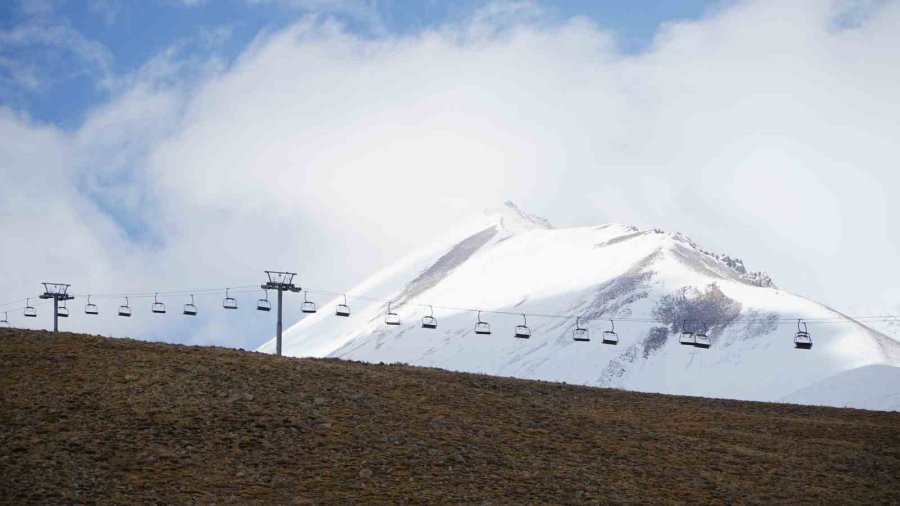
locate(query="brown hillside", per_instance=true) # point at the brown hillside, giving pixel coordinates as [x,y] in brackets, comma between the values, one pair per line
[90,419]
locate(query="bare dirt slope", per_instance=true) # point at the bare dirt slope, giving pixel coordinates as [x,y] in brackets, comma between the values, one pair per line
[90,419]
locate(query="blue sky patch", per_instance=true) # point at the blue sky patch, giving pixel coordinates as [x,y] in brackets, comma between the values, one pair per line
[59,59]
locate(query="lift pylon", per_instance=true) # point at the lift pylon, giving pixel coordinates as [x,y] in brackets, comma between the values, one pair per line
[57,292]
[282,282]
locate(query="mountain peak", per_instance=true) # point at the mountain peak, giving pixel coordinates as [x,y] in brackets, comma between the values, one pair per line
[514,220]
[509,264]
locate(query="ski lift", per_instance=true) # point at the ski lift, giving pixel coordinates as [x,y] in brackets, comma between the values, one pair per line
[580,334]
[308,305]
[4,323]
[802,339]
[264,304]
[610,336]
[481,327]
[429,322]
[30,311]
[190,309]
[522,331]
[91,308]
[158,307]
[342,309]
[701,340]
[229,302]
[125,310]
[391,318]
[687,338]
[62,311]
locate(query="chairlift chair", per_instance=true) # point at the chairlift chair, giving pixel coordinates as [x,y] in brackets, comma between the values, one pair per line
[190,309]
[342,309]
[264,304]
[30,311]
[91,309]
[4,323]
[157,307]
[687,338]
[429,322]
[481,327]
[229,302]
[308,305]
[125,310]
[802,339]
[391,318]
[610,336]
[62,311]
[580,333]
[701,340]
[522,331]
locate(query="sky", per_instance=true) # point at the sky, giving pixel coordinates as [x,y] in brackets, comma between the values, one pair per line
[172,144]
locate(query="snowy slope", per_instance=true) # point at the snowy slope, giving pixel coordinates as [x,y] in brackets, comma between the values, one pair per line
[875,387]
[507,260]
[889,327]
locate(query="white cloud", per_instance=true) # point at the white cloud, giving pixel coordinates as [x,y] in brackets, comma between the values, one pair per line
[767,130]
[37,7]
[40,51]
[365,11]
[107,10]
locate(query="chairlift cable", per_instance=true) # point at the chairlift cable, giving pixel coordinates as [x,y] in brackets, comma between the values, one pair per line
[779,321]
[12,302]
[170,293]
[254,288]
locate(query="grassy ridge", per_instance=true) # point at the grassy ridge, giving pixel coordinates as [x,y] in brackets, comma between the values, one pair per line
[90,419]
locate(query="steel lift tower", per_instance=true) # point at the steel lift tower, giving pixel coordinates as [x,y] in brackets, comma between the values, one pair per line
[283,282]
[57,292]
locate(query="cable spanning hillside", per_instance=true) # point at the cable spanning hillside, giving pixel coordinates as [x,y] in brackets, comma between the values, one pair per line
[90,419]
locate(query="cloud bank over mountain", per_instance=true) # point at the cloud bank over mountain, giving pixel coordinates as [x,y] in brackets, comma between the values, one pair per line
[764,129]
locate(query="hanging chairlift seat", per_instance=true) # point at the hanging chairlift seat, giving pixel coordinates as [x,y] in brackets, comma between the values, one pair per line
[482,328]
[229,302]
[190,309]
[580,334]
[91,309]
[342,309]
[30,311]
[686,338]
[62,311]
[125,310]
[701,340]
[157,307]
[429,322]
[610,336]
[802,339]
[522,331]
[391,318]
[308,305]
[4,323]
[264,304]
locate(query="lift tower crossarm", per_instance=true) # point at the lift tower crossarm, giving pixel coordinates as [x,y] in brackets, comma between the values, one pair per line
[57,292]
[282,282]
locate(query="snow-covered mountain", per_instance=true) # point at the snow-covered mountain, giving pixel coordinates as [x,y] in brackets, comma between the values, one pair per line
[507,260]
[889,326]
[873,386]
